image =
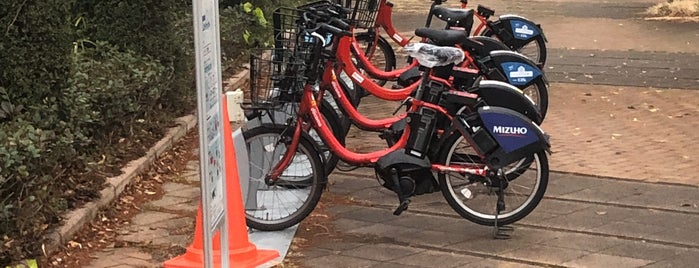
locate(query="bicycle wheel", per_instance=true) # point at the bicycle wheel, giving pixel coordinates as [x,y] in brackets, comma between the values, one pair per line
[537,92]
[380,53]
[475,198]
[295,195]
[338,125]
[535,49]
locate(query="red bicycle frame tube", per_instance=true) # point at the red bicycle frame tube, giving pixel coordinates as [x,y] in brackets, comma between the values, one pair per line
[476,169]
[376,72]
[483,23]
[343,56]
[384,20]
[360,120]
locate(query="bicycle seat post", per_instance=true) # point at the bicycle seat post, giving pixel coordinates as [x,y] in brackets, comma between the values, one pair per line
[435,3]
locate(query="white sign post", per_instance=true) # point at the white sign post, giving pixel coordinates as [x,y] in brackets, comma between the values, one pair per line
[212,167]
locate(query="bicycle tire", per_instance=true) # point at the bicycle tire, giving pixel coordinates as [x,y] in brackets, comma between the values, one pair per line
[389,56]
[259,216]
[463,200]
[538,92]
[537,55]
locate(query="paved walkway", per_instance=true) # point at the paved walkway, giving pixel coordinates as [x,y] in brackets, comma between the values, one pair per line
[624,191]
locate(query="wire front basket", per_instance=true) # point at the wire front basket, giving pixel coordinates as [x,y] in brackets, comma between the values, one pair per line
[275,78]
[289,34]
[363,13]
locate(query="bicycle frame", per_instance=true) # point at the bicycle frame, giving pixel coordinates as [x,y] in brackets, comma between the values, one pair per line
[343,56]
[384,20]
[483,22]
[357,118]
[309,116]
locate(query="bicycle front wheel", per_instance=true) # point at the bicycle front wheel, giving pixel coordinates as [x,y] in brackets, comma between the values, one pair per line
[296,193]
[475,198]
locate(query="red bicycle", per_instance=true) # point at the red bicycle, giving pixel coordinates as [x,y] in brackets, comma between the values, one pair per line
[515,32]
[339,113]
[481,59]
[471,156]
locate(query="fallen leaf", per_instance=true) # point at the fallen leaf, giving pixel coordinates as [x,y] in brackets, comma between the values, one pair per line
[75,244]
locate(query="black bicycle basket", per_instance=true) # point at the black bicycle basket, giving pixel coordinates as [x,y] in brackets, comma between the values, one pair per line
[275,78]
[363,13]
[289,34]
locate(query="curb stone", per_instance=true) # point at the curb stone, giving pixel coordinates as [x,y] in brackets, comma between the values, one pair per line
[76,219]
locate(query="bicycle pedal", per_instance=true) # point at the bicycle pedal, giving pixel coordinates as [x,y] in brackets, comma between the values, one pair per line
[402,207]
[503,232]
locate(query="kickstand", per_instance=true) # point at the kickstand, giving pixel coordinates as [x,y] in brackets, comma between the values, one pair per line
[402,199]
[501,232]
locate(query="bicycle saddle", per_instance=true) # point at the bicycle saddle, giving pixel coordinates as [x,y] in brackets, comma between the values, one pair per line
[442,37]
[454,16]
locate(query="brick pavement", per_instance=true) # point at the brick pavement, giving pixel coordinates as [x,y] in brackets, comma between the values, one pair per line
[624,132]
[613,131]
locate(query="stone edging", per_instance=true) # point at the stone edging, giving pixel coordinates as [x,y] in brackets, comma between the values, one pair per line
[76,219]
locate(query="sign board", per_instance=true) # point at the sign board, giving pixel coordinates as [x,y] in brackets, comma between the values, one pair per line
[212,168]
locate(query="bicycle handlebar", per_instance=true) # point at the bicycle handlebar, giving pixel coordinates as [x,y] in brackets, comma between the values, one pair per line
[323,19]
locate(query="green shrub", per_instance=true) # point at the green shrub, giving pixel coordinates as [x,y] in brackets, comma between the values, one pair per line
[156,28]
[110,106]
[86,86]
[35,140]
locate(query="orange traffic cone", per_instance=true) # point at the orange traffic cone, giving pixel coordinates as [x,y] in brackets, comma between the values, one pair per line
[241,253]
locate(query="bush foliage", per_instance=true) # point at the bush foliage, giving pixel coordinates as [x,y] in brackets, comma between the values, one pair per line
[87,85]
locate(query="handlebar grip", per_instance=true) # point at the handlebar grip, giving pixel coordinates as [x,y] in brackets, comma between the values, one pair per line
[340,24]
[334,30]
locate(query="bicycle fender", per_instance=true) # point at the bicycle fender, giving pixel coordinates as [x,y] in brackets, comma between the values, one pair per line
[496,93]
[515,136]
[489,44]
[520,28]
[516,68]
